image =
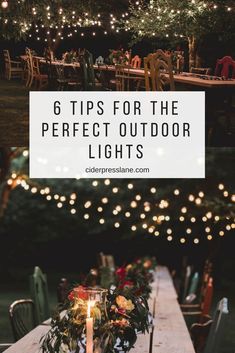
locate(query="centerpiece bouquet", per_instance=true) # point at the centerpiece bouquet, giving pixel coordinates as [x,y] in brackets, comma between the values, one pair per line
[118,315]
[70,56]
[120,57]
[137,275]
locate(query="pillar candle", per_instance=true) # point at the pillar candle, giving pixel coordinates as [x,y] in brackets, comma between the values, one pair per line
[89,330]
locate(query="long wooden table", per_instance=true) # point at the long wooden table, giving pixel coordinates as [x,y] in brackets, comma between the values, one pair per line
[185,78]
[169,334]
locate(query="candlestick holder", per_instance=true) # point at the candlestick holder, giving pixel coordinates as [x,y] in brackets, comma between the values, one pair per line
[92,302]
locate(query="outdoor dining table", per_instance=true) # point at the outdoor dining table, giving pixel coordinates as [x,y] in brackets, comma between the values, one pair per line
[168,335]
[187,78]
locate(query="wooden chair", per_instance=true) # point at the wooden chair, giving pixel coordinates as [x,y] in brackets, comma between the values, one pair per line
[110,261]
[122,77]
[39,294]
[186,282]
[22,317]
[90,83]
[136,62]
[217,327]
[200,310]
[158,72]
[13,69]
[107,270]
[207,336]
[92,278]
[192,292]
[225,67]
[62,290]
[41,80]
[34,76]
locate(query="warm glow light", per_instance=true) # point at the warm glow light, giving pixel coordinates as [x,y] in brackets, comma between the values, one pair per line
[104,200]
[133,204]
[4,4]
[107,182]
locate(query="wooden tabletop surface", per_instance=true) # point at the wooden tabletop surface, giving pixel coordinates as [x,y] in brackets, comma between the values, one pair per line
[184,78]
[170,334]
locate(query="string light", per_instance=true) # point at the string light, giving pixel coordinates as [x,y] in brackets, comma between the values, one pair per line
[214,225]
[4,4]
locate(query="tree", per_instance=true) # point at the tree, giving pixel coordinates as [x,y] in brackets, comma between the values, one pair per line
[54,20]
[187,20]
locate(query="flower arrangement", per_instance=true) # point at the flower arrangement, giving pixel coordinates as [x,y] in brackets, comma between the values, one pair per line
[118,57]
[70,56]
[119,315]
[137,275]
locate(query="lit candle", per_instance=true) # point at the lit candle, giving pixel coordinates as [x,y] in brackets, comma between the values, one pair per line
[89,330]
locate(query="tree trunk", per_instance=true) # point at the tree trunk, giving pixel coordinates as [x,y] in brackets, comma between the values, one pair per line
[192,52]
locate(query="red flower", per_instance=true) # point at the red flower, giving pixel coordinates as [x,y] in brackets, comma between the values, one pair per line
[71,296]
[126,284]
[121,273]
[81,293]
[78,292]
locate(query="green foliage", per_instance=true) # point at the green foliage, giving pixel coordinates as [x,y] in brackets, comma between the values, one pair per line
[180,19]
[115,325]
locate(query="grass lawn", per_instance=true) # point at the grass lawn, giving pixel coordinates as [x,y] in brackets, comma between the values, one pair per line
[14,116]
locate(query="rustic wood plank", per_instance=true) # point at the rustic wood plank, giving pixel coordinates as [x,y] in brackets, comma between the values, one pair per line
[170,333]
[31,342]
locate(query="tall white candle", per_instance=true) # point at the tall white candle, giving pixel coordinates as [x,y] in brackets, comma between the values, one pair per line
[89,330]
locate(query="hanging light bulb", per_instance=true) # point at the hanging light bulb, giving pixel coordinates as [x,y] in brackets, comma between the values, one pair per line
[4,4]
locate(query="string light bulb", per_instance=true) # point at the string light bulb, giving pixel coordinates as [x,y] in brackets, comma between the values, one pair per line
[4,4]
